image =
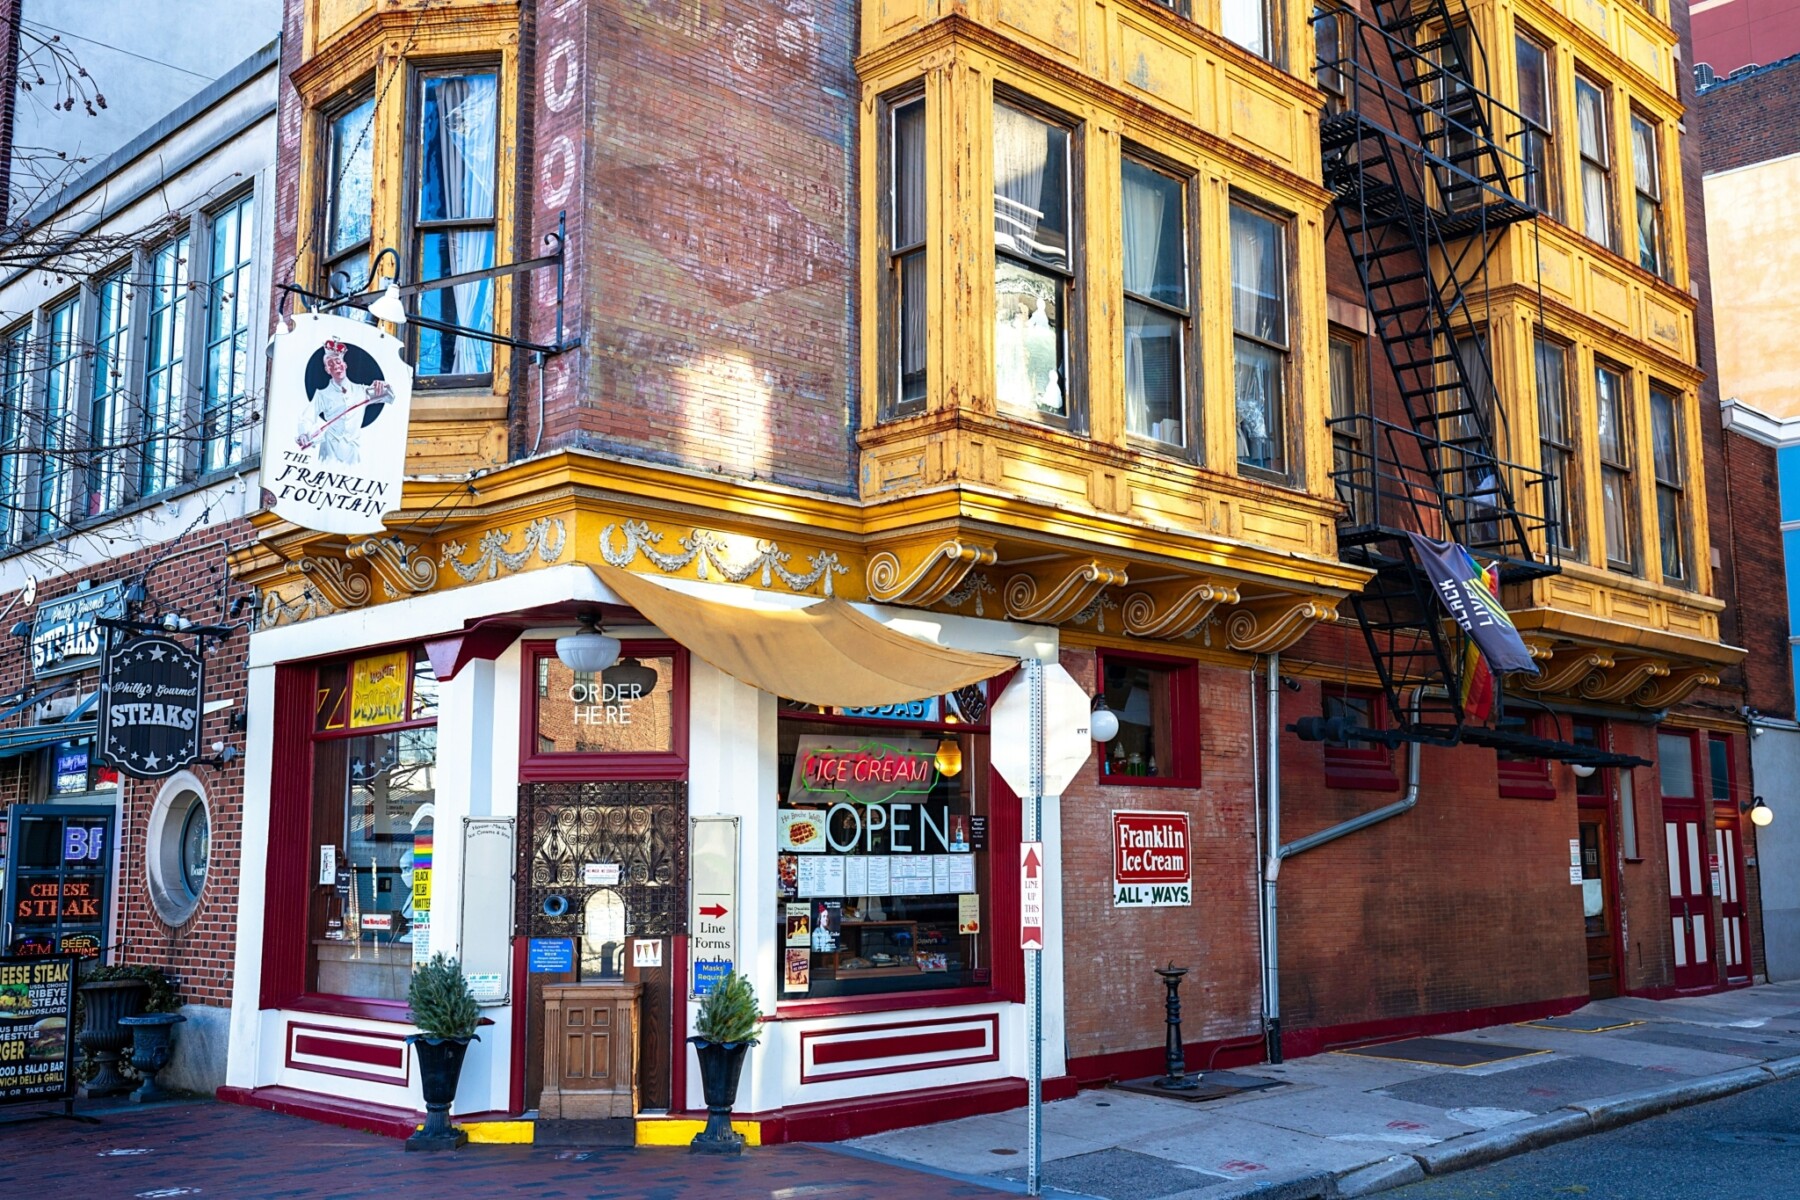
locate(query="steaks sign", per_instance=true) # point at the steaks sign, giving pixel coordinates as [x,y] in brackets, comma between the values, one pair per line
[150,697]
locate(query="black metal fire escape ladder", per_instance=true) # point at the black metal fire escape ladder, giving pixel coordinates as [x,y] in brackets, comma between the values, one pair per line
[1422,191]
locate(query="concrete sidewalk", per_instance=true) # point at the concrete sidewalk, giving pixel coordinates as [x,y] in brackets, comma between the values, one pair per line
[1349,1125]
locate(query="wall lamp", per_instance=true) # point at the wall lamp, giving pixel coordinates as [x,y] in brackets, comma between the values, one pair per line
[1759,810]
[1103,723]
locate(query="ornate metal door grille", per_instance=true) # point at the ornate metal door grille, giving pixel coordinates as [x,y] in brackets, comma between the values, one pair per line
[640,825]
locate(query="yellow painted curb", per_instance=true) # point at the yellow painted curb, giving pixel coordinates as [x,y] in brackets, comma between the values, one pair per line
[500,1133]
[675,1131]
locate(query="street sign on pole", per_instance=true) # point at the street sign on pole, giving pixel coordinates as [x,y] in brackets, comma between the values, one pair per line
[1067,745]
[1031,896]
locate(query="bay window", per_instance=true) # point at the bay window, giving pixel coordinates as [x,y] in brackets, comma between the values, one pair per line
[906,256]
[1646,173]
[1154,236]
[1556,445]
[454,149]
[1671,484]
[1596,163]
[349,200]
[165,371]
[1613,413]
[1259,316]
[105,486]
[225,404]
[1034,265]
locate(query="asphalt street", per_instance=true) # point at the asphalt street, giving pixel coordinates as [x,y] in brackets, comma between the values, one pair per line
[1745,1146]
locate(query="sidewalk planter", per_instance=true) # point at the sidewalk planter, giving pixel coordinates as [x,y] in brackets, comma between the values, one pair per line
[728,1019]
[152,1045]
[106,1003]
[444,1009]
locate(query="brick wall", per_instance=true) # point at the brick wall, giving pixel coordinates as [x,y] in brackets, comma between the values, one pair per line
[1748,119]
[191,580]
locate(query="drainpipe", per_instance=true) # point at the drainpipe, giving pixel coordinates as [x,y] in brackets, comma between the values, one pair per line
[1271,942]
[1271,971]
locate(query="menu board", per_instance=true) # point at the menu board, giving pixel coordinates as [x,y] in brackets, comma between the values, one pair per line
[37,1014]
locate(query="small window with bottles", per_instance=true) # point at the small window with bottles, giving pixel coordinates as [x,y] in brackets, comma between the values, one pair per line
[1157,701]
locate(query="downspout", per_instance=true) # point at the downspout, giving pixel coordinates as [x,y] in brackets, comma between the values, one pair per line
[1271,968]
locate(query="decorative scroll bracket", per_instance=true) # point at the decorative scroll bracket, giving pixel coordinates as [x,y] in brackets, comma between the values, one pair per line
[894,579]
[402,568]
[1175,610]
[1061,597]
[1271,626]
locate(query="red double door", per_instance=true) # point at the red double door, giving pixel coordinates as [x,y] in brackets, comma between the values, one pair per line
[1689,836]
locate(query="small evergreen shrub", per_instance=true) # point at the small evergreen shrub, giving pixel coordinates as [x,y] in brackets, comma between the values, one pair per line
[729,1012]
[441,1002]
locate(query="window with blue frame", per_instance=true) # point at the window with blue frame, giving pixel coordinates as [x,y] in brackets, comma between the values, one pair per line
[62,361]
[15,395]
[165,367]
[225,406]
[107,394]
[454,151]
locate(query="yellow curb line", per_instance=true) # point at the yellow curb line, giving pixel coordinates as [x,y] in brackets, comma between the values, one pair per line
[651,1131]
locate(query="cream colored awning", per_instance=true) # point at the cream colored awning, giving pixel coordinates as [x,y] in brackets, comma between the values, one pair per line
[827,653]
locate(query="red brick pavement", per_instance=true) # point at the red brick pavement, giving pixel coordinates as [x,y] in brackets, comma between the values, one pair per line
[223,1152]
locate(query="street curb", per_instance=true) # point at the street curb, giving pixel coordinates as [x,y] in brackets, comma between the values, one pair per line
[1394,1172]
[1783,1068]
[1474,1149]
[1635,1106]
[1292,1185]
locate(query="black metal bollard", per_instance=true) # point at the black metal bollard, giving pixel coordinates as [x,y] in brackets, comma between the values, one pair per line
[1175,1062]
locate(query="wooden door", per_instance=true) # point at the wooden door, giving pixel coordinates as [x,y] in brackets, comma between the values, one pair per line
[1690,908]
[1599,906]
[1734,946]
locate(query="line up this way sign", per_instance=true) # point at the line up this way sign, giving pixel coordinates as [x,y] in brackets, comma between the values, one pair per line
[1031,896]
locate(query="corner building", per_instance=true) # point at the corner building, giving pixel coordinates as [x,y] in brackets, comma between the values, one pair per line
[1022,329]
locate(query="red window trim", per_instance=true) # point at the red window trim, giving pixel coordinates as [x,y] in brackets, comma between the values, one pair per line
[1369,770]
[535,766]
[1730,799]
[1603,798]
[1184,714]
[1699,769]
[1525,779]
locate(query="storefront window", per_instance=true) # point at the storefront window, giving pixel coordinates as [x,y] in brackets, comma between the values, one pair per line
[58,889]
[626,709]
[1157,702]
[881,865]
[74,771]
[374,786]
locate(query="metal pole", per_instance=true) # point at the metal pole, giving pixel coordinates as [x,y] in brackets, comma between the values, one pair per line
[1272,947]
[1034,964]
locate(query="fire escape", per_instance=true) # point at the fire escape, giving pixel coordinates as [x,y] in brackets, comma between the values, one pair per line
[1423,190]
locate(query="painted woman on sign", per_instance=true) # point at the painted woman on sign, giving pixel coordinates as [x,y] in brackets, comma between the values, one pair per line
[348,394]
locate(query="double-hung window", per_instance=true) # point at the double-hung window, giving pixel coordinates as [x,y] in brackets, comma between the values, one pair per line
[1352,434]
[1259,318]
[1331,40]
[1556,446]
[1153,209]
[62,359]
[1596,163]
[1034,265]
[906,256]
[1613,416]
[1646,174]
[15,397]
[225,406]
[1537,107]
[349,201]
[107,391]
[454,152]
[165,368]
[1671,484]
[1251,24]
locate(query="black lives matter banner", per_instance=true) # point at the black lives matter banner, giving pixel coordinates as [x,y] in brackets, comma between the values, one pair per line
[150,698]
[37,1017]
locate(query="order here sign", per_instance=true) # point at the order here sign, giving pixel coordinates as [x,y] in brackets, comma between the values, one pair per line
[1153,862]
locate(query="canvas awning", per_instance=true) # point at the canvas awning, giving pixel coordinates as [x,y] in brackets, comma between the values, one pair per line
[827,654]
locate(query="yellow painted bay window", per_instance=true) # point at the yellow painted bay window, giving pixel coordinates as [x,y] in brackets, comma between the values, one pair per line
[1034,265]
[1259,317]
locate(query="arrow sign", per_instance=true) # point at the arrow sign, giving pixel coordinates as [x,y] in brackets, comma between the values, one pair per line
[713,910]
[1031,896]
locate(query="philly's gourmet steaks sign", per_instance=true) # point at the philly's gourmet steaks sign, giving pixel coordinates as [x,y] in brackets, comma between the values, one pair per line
[150,699]
[339,399]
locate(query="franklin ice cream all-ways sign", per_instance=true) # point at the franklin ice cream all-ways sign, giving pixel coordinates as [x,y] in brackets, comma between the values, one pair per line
[339,400]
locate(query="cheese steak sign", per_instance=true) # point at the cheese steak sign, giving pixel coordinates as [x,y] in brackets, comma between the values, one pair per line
[150,699]
[1153,863]
[37,1019]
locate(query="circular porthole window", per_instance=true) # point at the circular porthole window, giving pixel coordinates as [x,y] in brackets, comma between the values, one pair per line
[179,847]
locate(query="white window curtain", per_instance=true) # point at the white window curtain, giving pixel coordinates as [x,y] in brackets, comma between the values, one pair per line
[1258,310]
[1153,251]
[1030,163]
[1596,214]
[1246,23]
[909,230]
[457,184]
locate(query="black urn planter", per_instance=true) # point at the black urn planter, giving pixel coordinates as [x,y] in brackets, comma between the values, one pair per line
[440,1066]
[721,1064]
[152,1045]
[106,1002]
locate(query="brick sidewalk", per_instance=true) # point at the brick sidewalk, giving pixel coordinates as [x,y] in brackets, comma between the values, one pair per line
[223,1152]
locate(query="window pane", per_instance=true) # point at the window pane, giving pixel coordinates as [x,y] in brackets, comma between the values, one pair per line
[1153,373]
[457,137]
[1028,342]
[912,327]
[112,339]
[1244,22]
[1556,431]
[1609,388]
[1643,157]
[352,176]
[14,376]
[1343,378]
[1155,249]
[470,305]
[909,174]
[1665,428]
[229,297]
[1031,181]
[1669,539]
[1261,438]
[1143,698]
[1649,222]
[1590,113]
[1534,83]
[61,360]
[165,372]
[627,709]
[1675,762]
[1258,282]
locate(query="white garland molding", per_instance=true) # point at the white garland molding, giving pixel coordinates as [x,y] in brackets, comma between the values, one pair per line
[700,547]
[546,536]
